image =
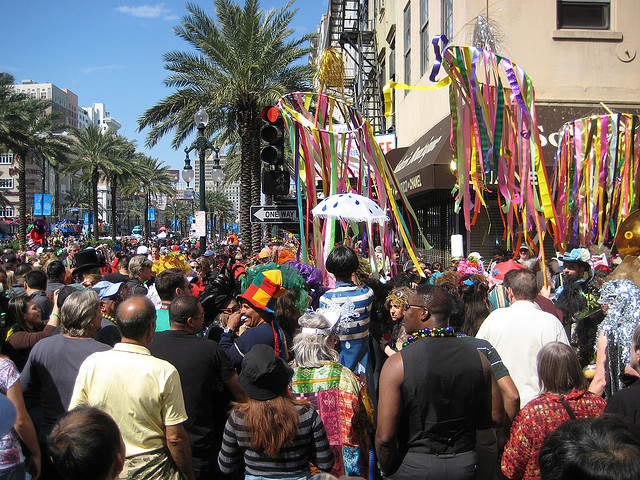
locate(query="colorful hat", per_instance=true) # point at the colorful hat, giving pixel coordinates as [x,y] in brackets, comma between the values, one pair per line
[264,290]
[578,255]
[500,269]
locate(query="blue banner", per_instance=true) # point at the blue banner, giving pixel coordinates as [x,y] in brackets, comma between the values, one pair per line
[151,214]
[37,204]
[46,209]
[176,223]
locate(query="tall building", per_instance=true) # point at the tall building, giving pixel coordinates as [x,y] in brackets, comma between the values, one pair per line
[97,115]
[63,101]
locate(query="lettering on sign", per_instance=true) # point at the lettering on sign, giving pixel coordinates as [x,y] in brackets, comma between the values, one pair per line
[418,154]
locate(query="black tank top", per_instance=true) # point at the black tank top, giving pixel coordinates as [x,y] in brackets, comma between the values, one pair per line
[444,396]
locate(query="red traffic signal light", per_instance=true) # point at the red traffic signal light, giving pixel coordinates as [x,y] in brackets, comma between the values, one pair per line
[273,134]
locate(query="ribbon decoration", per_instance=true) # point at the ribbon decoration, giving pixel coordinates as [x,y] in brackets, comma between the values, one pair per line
[594,176]
[495,140]
[330,141]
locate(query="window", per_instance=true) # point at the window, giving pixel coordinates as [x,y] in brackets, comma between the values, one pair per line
[6,211]
[424,36]
[407,44]
[6,158]
[584,14]
[6,183]
[447,18]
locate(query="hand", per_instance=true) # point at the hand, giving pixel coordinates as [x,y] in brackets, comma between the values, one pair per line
[33,467]
[243,328]
[234,321]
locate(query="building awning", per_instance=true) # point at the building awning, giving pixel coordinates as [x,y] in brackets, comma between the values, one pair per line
[425,164]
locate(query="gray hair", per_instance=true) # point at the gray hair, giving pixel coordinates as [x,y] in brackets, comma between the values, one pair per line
[78,311]
[311,349]
[137,263]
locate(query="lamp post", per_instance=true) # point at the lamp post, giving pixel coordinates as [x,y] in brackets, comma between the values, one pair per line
[201,144]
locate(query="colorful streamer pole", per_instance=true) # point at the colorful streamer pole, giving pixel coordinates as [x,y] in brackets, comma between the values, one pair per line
[594,178]
[332,142]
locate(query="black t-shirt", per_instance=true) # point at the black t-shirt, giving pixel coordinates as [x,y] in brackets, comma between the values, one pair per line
[203,367]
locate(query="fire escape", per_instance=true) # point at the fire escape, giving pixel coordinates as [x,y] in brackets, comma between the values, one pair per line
[353,33]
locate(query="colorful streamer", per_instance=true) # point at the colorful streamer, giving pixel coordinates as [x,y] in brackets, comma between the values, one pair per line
[594,176]
[332,142]
[495,140]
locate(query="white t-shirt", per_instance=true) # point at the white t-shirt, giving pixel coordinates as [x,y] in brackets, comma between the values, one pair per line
[518,333]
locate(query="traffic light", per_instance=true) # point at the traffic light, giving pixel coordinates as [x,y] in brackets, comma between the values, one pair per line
[273,134]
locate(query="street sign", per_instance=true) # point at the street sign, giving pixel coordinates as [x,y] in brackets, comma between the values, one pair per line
[201,223]
[274,214]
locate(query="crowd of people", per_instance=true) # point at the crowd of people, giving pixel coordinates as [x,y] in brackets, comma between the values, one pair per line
[168,361]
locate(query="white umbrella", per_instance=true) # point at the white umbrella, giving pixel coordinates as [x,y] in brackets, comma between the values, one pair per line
[350,207]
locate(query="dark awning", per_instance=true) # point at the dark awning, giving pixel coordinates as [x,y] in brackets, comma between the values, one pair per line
[425,164]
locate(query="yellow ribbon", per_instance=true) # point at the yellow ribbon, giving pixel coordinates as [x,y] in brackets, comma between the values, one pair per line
[386,90]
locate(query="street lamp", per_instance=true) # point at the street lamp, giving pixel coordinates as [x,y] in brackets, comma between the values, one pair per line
[201,144]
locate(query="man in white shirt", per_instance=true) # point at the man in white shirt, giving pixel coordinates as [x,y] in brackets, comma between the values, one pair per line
[519,332]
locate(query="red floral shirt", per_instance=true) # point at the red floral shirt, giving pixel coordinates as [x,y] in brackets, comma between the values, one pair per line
[536,420]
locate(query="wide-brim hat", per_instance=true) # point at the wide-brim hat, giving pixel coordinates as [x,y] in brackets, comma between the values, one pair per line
[580,256]
[265,290]
[86,260]
[263,374]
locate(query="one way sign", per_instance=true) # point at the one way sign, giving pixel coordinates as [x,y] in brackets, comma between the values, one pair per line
[274,214]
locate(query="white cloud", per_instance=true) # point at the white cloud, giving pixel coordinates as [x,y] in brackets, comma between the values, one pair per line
[145,11]
[100,68]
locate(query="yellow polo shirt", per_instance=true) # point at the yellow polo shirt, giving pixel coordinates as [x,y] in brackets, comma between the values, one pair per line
[141,392]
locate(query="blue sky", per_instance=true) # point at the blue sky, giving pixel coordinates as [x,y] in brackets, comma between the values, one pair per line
[110,51]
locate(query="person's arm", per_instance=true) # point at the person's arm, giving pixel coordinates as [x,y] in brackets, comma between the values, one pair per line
[21,340]
[497,404]
[389,411]
[235,388]
[599,381]
[25,429]
[180,449]
[510,397]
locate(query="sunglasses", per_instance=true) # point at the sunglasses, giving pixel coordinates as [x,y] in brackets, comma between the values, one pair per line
[230,310]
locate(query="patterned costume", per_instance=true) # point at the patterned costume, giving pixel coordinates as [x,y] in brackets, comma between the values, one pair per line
[337,395]
[536,420]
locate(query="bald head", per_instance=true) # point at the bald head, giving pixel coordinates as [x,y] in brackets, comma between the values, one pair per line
[134,316]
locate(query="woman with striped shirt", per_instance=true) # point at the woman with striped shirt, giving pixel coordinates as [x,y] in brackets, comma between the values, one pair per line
[276,435]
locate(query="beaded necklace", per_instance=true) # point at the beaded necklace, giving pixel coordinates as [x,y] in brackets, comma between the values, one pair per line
[430,332]
[109,317]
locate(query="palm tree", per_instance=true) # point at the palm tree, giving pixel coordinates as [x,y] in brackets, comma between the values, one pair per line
[124,155]
[134,208]
[152,179]
[216,203]
[78,197]
[25,129]
[242,63]
[178,210]
[95,158]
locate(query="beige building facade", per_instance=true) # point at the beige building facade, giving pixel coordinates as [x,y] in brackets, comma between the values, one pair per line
[579,54]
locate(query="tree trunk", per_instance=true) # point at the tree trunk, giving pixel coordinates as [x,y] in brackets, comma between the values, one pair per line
[22,199]
[249,176]
[114,210]
[94,185]
[146,217]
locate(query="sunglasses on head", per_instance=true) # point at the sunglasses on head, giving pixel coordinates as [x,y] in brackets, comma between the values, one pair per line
[231,310]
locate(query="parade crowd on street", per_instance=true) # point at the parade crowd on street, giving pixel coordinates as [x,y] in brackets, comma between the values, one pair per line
[146,360]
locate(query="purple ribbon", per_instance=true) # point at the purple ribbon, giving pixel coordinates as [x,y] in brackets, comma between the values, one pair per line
[436,48]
